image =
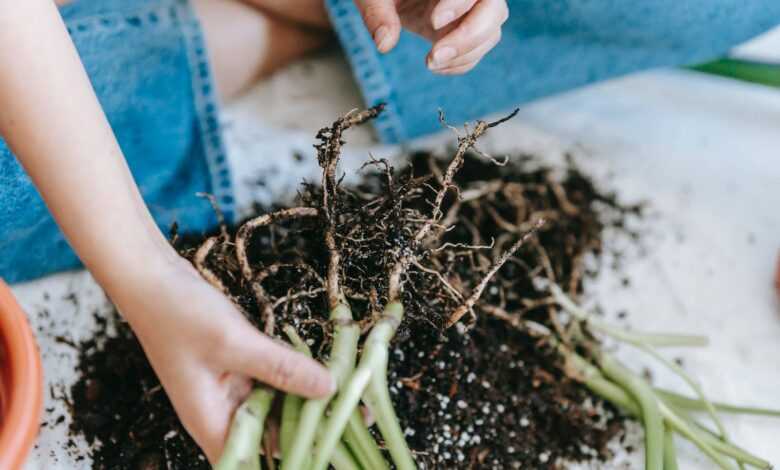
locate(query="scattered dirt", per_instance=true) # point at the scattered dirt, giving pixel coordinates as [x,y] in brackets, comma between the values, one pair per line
[122,411]
[485,393]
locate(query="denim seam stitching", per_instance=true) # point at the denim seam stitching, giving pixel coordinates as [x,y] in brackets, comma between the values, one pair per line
[118,21]
[207,111]
[368,69]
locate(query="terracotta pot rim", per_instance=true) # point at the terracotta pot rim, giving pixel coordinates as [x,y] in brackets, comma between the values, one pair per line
[22,383]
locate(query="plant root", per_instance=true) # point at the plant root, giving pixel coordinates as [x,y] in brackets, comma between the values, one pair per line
[414,248]
[468,305]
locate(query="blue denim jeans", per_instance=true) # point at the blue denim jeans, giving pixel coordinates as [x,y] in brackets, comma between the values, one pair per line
[547,46]
[147,62]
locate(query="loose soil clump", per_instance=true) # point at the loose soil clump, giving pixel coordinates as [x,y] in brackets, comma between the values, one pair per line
[122,411]
[472,384]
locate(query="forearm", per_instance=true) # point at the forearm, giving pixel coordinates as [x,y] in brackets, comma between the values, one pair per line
[52,121]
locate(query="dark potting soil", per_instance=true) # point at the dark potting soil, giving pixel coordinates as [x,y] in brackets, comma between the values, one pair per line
[121,409]
[486,393]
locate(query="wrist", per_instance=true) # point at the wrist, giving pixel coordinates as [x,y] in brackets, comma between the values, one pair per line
[136,278]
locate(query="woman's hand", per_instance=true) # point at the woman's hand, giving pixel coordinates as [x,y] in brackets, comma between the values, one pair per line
[206,353]
[203,350]
[462,31]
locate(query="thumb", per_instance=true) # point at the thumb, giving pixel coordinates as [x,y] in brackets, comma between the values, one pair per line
[381,19]
[279,366]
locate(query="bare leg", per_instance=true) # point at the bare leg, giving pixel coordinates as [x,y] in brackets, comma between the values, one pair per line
[246,43]
[309,12]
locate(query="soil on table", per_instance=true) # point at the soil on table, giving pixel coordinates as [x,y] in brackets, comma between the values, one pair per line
[486,393]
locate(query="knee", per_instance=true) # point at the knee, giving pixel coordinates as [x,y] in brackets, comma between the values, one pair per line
[246,43]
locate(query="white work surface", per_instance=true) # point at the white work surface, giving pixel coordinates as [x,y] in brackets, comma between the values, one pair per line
[703,151]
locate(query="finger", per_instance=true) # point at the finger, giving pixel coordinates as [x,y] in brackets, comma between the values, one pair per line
[207,418]
[459,70]
[381,19]
[470,58]
[447,11]
[475,29]
[237,387]
[281,367]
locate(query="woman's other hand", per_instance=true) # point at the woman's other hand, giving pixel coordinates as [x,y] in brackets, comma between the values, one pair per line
[462,31]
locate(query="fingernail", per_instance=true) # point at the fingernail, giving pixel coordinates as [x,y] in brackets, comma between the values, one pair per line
[443,18]
[333,386]
[382,38]
[441,56]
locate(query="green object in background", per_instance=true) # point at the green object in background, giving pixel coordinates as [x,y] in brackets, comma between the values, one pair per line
[764,73]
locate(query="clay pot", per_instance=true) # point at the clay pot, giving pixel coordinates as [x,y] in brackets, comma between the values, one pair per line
[21,383]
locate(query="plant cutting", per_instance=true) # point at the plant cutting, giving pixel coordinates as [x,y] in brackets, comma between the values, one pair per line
[661,412]
[318,438]
[442,295]
[395,234]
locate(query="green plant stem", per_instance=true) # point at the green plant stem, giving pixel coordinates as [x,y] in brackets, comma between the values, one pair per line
[343,406]
[291,413]
[707,442]
[362,443]
[342,459]
[378,395]
[619,397]
[686,430]
[740,69]
[375,354]
[670,453]
[242,449]
[710,445]
[648,404]
[644,343]
[367,456]
[739,454]
[730,449]
[681,401]
[691,383]
[291,407]
[659,340]
[298,343]
[614,394]
[341,362]
[651,339]
[592,377]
